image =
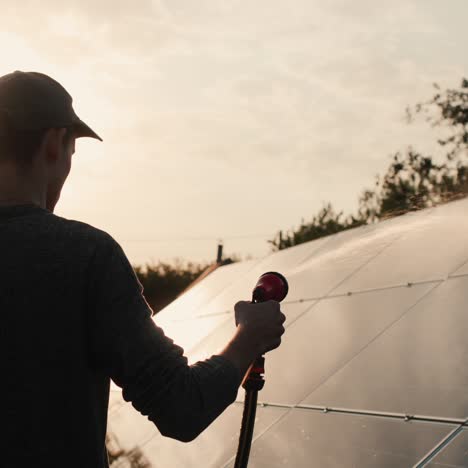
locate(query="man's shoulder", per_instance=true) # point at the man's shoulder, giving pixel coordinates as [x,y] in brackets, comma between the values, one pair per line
[83,232]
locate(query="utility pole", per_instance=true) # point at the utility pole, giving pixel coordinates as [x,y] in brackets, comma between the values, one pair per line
[219,256]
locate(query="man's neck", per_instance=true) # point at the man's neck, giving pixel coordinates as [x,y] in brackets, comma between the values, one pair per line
[19,189]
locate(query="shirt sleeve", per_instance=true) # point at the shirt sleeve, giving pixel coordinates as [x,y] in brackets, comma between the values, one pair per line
[154,374]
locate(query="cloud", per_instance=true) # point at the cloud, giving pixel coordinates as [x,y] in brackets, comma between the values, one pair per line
[239,97]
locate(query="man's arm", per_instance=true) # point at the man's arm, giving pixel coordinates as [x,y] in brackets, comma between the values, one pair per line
[150,368]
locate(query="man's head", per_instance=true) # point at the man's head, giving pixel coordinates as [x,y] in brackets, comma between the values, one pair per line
[38,129]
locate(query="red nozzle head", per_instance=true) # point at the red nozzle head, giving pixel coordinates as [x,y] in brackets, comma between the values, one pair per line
[270,286]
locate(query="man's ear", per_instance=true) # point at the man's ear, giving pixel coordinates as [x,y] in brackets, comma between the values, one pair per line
[52,144]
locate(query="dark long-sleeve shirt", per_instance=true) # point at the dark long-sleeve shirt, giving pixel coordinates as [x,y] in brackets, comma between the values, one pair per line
[73,317]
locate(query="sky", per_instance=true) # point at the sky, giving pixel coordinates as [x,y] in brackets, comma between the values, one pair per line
[232,120]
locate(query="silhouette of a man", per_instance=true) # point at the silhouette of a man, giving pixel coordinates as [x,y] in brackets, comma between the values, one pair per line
[72,311]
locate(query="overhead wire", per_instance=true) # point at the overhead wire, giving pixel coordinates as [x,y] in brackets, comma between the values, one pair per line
[211,238]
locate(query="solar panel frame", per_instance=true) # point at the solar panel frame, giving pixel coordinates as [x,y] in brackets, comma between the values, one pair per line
[452,455]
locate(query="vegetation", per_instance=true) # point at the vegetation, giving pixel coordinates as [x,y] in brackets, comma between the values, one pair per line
[119,458]
[412,181]
[163,282]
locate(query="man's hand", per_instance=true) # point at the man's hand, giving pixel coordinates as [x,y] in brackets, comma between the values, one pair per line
[259,330]
[261,323]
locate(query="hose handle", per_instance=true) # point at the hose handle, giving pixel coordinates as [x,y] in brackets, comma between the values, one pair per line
[255,376]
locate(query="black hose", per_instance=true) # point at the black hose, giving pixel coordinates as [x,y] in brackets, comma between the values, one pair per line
[267,288]
[246,433]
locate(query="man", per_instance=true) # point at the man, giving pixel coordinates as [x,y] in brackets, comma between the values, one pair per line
[72,311]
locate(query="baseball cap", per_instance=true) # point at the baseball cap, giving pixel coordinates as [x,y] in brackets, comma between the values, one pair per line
[34,101]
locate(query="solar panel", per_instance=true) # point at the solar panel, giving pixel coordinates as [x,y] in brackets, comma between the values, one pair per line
[187,333]
[336,260]
[376,340]
[218,339]
[431,246]
[415,367]
[454,455]
[115,399]
[189,303]
[130,427]
[212,448]
[241,289]
[463,270]
[308,438]
[329,335]
[220,336]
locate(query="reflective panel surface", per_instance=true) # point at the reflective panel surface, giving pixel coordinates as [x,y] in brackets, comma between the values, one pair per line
[282,262]
[214,342]
[187,333]
[129,427]
[328,336]
[115,398]
[336,260]
[463,270]
[432,245]
[214,447]
[455,455]
[311,439]
[416,366]
[191,303]
[220,337]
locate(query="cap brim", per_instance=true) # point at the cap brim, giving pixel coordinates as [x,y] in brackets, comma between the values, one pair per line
[83,130]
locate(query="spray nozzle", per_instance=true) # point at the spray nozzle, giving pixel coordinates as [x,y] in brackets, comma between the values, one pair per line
[270,286]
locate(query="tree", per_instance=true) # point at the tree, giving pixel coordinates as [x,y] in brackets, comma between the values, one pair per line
[324,223]
[120,458]
[447,108]
[412,181]
[163,282]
